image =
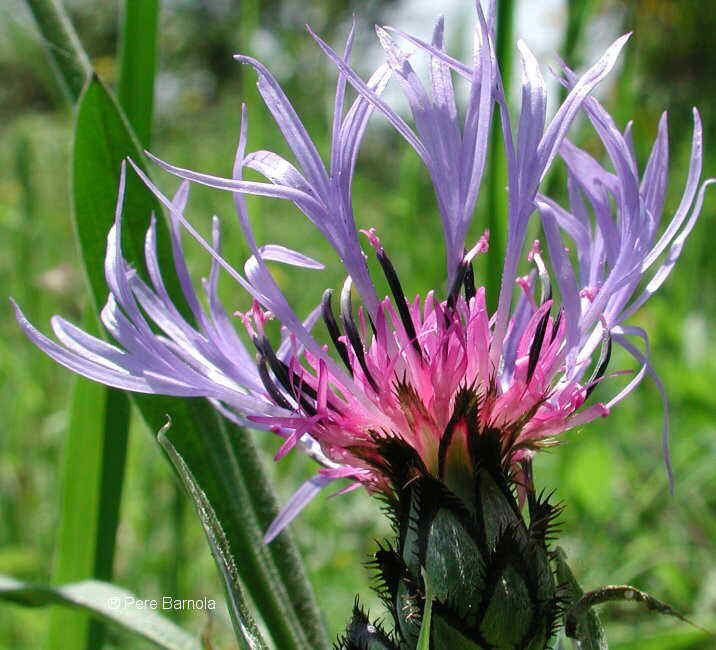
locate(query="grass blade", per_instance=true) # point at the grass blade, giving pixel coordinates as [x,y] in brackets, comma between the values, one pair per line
[497,164]
[201,436]
[106,601]
[138,62]
[282,550]
[63,48]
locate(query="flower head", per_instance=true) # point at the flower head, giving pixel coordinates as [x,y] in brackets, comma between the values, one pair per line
[435,373]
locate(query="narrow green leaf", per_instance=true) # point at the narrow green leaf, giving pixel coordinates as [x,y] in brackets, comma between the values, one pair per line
[115,438]
[79,505]
[424,638]
[103,139]
[244,625]
[590,634]
[64,51]
[497,164]
[106,601]
[138,62]
[221,456]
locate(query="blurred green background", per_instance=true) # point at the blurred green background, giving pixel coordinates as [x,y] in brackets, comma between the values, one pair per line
[620,524]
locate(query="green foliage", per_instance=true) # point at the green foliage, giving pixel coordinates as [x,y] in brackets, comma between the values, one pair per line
[138,56]
[106,601]
[496,173]
[62,46]
[424,636]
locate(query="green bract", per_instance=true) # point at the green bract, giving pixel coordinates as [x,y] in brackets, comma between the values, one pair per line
[489,568]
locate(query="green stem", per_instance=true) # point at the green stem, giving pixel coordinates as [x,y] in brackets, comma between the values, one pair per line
[64,51]
[138,62]
[497,164]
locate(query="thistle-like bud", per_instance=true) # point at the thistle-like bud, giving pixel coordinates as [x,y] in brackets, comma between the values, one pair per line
[489,569]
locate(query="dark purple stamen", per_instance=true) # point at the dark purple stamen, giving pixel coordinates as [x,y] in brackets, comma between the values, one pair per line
[270,387]
[281,370]
[601,368]
[469,283]
[333,329]
[352,332]
[372,325]
[536,346]
[457,285]
[400,302]
[555,325]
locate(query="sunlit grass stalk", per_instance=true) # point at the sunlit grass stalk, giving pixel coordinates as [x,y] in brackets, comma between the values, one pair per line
[138,63]
[497,164]
[577,15]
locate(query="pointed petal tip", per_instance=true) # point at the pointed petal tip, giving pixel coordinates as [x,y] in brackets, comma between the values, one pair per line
[136,167]
[18,312]
[381,32]
[296,503]
[617,45]
[697,118]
